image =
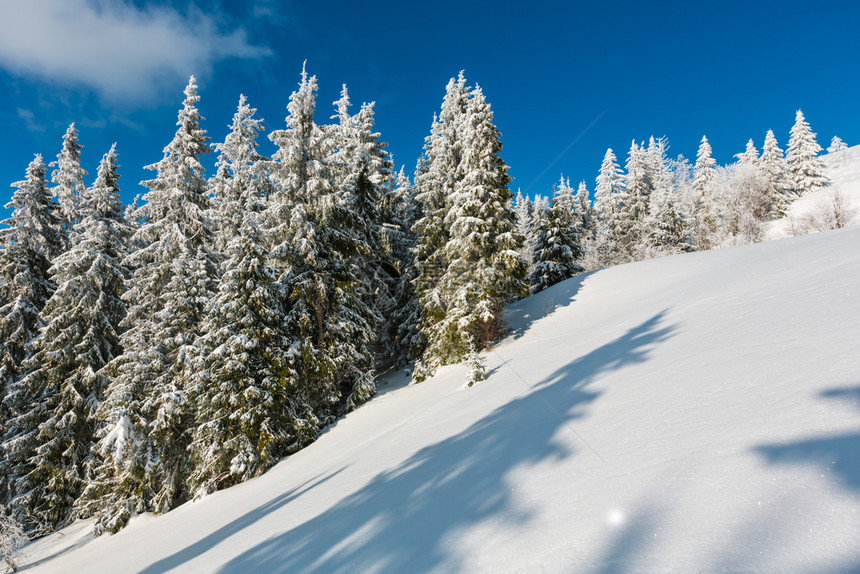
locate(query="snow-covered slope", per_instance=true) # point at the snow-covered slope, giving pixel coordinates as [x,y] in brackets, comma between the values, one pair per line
[698,413]
[843,169]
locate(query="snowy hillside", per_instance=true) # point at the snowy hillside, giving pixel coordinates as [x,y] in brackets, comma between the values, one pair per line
[843,169]
[692,413]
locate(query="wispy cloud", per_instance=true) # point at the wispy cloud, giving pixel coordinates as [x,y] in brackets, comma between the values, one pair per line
[30,120]
[121,51]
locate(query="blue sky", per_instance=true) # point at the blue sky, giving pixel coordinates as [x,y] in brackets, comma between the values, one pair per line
[729,70]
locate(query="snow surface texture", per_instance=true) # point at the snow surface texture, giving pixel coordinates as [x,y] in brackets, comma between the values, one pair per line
[696,413]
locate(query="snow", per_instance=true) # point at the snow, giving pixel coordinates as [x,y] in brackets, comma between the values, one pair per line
[843,169]
[692,413]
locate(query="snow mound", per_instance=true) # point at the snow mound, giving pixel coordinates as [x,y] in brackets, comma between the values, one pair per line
[691,413]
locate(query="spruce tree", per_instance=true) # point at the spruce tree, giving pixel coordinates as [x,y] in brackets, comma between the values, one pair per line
[361,169]
[635,199]
[79,337]
[484,271]
[666,227]
[144,443]
[29,240]
[68,179]
[332,363]
[836,145]
[523,209]
[804,165]
[607,195]
[775,173]
[241,181]
[585,211]
[241,386]
[558,246]
[703,191]
[749,156]
[443,158]
[399,211]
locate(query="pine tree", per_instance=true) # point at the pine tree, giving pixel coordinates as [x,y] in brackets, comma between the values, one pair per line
[585,211]
[703,190]
[775,173]
[663,229]
[241,182]
[241,386]
[749,155]
[68,177]
[361,169]
[558,246]
[804,166]
[666,227]
[399,212]
[837,145]
[523,209]
[332,363]
[635,199]
[602,248]
[443,155]
[28,242]
[79,337]
[484,271]
[477,373]
[609,185]
[144,444]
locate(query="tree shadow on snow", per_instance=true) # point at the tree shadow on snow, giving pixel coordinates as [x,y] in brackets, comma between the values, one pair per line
[521,314]
[837,453]
[406,518]
[179,558]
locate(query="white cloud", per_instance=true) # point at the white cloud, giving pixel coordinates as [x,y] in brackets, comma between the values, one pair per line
[30,120]
[121,51]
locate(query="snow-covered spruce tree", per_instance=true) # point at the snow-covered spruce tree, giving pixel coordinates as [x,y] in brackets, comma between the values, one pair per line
[361,168]
[584,211]
[12,537]
[238,385]
[663,229]
[68,179]
[635,198]
[749,156]
[558,247]
[241,180]
[241,385]
[484,271]
[29,241]
[775,173]
[79,337]
[330,364]
[475,364]
[804,165]
[703,190]
[398,211]
[435,182]
[148,416]
[666,226]
[602,246]
[836,145]
[523,209]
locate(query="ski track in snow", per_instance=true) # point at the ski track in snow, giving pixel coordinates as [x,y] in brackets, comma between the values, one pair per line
[697,413]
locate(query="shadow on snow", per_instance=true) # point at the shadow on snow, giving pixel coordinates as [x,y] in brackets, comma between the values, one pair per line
[405,518]
[520,315]
[835,453]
